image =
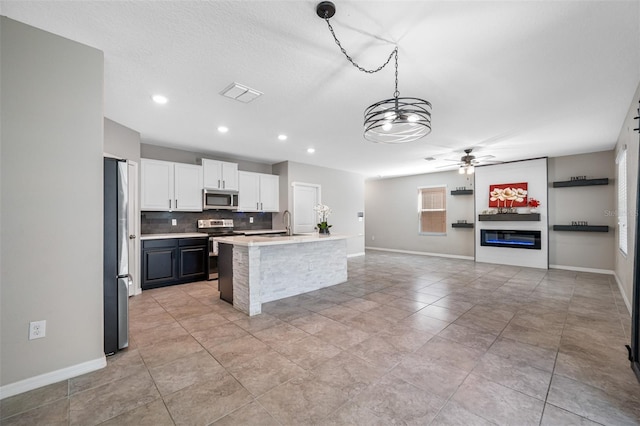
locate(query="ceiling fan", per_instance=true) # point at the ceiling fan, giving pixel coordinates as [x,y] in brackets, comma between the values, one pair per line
[468,162]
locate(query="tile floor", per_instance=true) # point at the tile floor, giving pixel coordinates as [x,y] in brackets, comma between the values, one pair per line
[407,340]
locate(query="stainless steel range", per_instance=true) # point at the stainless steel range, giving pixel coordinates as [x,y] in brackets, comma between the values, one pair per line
[215,228]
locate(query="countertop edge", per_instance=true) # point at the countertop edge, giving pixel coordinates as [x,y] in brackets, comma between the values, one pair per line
[258,241]
[145,237]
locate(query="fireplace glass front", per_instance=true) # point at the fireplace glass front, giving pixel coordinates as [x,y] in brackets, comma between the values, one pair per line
[522,239]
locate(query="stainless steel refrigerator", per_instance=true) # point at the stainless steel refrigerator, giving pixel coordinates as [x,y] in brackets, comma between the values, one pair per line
[116,257]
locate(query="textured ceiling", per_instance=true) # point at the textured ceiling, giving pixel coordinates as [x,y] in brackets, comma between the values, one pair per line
[513,79]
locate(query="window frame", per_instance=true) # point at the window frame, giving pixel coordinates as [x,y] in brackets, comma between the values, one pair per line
[421,210]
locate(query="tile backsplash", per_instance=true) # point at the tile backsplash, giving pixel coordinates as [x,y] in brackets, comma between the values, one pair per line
[160,222]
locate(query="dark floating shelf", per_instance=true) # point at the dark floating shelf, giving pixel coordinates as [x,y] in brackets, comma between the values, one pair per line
[581,228]
[581,182]
[462,192]
[510,217]
[462,225]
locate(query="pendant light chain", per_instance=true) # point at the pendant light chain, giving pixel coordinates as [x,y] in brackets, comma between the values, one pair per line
[344,52]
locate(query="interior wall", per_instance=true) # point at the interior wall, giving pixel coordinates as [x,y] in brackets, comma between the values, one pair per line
[534,172]
[121,142]
[593,204]
[156,152]
[624,263]
[392,214]
[51,206]
[342,191]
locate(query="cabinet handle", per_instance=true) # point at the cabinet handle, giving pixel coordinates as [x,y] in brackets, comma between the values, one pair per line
[176,203]
[169,203]
[260,206]
[218,183]
[224,184]
[257,206]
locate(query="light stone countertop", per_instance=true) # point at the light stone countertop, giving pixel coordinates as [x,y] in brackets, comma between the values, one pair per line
[258,240]
[144,237]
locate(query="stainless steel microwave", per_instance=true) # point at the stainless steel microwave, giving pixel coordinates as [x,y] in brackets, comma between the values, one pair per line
[215,199]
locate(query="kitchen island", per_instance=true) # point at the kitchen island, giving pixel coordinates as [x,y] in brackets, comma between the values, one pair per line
[263,269]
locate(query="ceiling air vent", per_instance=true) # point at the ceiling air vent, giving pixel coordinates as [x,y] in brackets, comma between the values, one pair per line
[429,158]
[240,93]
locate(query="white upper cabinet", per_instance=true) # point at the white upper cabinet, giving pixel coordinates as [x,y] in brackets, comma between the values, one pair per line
[167,186]
[270,193]
[187,179]
[248,191]
[258,192]
[220,175]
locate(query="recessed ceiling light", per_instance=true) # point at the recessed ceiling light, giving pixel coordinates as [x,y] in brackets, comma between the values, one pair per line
[223,129]
[282,137]
[311,150]
[159,99]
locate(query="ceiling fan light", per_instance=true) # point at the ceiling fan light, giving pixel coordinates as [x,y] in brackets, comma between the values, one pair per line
[470,170]
[387,126]
[461,170]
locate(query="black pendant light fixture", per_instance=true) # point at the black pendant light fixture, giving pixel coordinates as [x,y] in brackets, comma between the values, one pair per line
[395,120]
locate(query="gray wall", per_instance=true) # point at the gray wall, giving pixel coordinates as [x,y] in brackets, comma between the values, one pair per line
[121,142]
[51,198]
[624,264]
[392,214]
[342,191]
[155,152]
[594,204]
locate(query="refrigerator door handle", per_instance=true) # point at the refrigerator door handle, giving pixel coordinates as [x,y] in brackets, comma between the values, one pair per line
[123,311]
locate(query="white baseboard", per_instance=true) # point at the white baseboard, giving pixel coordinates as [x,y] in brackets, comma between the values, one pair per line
[355,254]
[624,296]
[52,377]
[581,269]
[422,253]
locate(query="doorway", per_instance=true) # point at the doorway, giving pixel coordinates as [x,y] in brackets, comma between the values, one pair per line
[134,226]
[305,197]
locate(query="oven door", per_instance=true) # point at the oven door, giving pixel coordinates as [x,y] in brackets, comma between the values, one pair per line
[216,200]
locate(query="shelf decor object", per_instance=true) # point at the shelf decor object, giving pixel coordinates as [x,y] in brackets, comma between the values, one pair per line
[580,182]
[510,217]
[581,228]
[395,120]
[462,225]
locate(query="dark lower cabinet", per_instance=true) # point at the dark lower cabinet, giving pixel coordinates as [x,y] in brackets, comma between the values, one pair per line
[174,261]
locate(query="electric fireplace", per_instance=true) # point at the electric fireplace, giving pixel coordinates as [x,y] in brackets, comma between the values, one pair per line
[521,239]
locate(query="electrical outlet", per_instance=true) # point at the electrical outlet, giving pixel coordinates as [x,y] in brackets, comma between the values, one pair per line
[174,222]
[37,329]
[250,220]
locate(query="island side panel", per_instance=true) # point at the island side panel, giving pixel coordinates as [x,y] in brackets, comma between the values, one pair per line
[291,269]
[246,279]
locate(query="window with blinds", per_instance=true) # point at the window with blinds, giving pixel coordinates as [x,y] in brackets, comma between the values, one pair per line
[622,200]
[432,206]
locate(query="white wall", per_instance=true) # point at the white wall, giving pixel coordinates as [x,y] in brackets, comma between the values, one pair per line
[392,215]
[534,172]
[342,191]
[589,251]
[624,263]
[121,142]
[51,113]
[155,152]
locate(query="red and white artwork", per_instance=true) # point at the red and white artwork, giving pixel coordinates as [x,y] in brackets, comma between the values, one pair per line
[508,195]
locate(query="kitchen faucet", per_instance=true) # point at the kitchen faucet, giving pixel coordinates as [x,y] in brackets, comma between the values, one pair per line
[286,220]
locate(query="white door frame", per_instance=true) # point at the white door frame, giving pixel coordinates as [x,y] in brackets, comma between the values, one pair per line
[134,228]
[300,185]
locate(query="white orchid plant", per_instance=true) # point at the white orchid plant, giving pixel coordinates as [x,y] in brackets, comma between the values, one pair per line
[323,212]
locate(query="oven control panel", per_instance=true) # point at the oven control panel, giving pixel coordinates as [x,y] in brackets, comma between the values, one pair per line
[215,223]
